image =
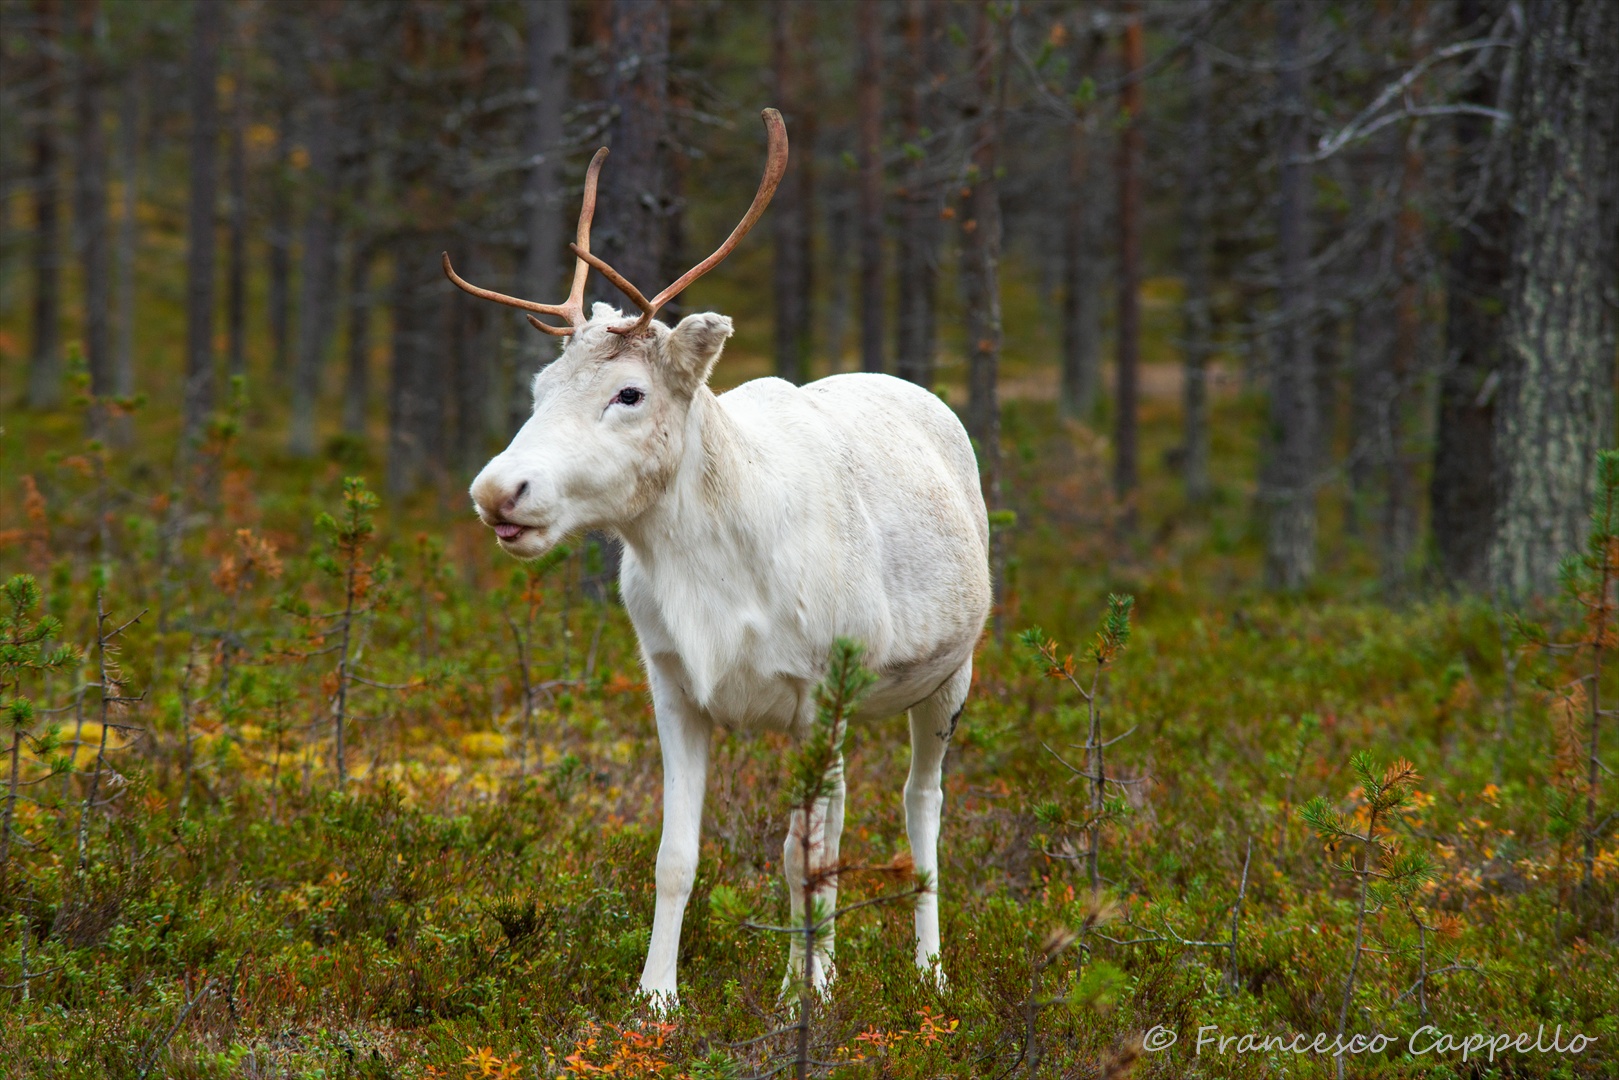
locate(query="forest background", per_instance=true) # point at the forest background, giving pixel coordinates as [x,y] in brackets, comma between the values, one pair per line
[1294,322]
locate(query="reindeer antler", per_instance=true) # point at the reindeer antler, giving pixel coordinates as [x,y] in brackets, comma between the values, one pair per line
[775,168]
[572,309]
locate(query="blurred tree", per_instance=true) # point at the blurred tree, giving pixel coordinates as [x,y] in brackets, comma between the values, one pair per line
[202,73]
[979,215]
[546,60]
[631,230]
[236,196]
[794,206]
[1290,483]
[1128,332]
[869,99]
[1083,255]
[1197,327]
[1557,399]
[90,203]
[917,270]
[121,433]
[318,273]
[45,367]
[1461,493]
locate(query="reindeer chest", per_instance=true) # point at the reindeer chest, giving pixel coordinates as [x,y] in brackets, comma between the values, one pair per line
[733,656]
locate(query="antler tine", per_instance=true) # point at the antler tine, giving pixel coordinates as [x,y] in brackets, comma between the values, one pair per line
[499,298]
[775,169]
[623,283]
[573,308]
[587,214]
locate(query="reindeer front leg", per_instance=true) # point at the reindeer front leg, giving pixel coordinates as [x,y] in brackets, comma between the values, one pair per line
[683,735]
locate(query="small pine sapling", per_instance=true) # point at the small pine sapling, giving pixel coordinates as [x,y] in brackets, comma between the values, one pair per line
[347,558]
[254,560]
[1383,872]
[25,653]
[1111,638]
[112,702]
[814,774]
[520,606]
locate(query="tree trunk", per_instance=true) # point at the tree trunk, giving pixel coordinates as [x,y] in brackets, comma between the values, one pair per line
[1557,399]
[278,240]
[869,104]
[416,383]
[980,218]
[203,66]
[357,376]
[236,242]
[543,192]
[319,258]
[839,301]
[1461,494]
[1400,503]
[918,269]
[45,364]
[1082,265]
[793,214]
[90,212]
[631,214]
[120,431]
[1291,534]
[1129,299]
[1196,314]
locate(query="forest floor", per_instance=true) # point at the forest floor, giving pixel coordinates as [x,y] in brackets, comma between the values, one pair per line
[475,900]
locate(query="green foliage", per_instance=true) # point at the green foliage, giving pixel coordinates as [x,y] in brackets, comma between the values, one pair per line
[838,695]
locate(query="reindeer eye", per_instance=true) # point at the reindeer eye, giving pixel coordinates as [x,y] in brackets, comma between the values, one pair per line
[629,396]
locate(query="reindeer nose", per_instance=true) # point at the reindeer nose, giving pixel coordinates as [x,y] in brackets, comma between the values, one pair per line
[496,497]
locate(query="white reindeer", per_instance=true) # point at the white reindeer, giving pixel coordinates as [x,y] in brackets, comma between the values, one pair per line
[758,527]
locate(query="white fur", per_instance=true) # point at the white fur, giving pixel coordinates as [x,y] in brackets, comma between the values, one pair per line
[758,526]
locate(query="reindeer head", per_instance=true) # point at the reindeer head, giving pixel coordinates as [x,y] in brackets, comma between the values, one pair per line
[608,429]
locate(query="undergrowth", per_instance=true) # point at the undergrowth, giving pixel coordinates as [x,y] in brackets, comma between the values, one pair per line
[359,800]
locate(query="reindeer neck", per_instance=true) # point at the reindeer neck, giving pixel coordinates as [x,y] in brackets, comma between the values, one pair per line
[707,503]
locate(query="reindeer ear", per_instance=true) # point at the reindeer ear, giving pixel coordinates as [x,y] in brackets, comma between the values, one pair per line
[695,345]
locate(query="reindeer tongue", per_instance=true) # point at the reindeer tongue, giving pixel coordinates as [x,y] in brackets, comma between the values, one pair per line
[507,531]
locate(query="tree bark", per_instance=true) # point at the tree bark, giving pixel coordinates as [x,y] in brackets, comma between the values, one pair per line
[1196,314]
[543,194]
[1129,299]
[90,212]
[236,234]
[120,432]
[278,241]
[1400,502]
[203,67]
[357,376]
[794,209]
[319,258]
[1557,397]
[632,186]
[1461,494]
[918,269]
[416,384]
[1291,533]
[980,218]
[869,104]
[45,363]
[1083,260]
